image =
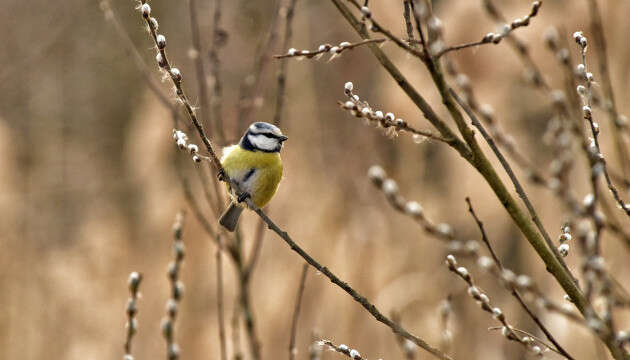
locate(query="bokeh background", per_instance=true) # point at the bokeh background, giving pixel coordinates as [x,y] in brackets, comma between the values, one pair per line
[89,186]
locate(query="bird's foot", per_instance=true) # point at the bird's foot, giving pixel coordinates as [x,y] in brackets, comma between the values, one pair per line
[221,175]
[243,196]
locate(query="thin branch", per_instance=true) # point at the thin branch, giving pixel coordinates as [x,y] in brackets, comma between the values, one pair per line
[519,46]
[508,331]
[342,349]
[177,289]
[255,253]
[408,25]
[515,292]
[140,64]
[296,313]
[327,48]
[495,38]
[176,77]
[220,311]
[596,158]
[361,109]
[135,278]
[597,29]
[250,87]
[282,73]
[219,37]
[199,64]
[349,290]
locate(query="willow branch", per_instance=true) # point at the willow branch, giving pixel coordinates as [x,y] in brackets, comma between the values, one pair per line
[296,312]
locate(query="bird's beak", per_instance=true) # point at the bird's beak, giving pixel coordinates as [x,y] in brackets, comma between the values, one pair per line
[282,138]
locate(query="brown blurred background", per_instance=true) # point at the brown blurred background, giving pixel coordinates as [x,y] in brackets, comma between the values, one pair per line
[88,189]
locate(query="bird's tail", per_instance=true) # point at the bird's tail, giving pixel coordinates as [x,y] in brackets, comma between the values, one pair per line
[229,219]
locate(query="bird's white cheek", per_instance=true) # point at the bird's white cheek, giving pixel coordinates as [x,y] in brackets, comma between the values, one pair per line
[262,142]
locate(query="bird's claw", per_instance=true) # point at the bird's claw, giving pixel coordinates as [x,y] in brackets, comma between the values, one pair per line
[221,175]
[243,196]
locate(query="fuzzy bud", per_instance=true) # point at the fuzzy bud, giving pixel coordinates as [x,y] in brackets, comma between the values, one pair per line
[134,281]
[497,314]
[161,41]
[580,68]
[451,261]
[146,10]
[348,87]
[176,74]
[589,76]
[160,60]
[376,174]
[563,249]
[413,208]
[390,187]
[366,11]
[473,291]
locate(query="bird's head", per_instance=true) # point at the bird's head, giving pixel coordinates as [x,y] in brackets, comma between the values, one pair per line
[262,136]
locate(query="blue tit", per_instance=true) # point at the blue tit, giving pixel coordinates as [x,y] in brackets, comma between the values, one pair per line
[255,165]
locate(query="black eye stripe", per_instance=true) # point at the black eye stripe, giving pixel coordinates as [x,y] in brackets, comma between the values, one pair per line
[269,135]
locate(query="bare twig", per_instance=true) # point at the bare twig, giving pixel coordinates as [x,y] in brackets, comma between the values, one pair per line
[219,258]
[327,48]
[408,25]
[296,313]
[135,279]
[484,302]
[519,46]
[282,73]
[141,65]
[177,289]
[596,158]
[361,109]
[342,349]
[255,253]
[219,37]
[348,289]
[514,291]
[495,38]
[199,64]
[597,29]
[251,84]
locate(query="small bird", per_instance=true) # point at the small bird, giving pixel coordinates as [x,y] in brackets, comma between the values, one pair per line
[255,165]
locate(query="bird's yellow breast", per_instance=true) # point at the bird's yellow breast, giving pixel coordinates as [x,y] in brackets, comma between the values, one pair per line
[237,162]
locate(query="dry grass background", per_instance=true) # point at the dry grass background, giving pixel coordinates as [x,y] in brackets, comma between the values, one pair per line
[88,190]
